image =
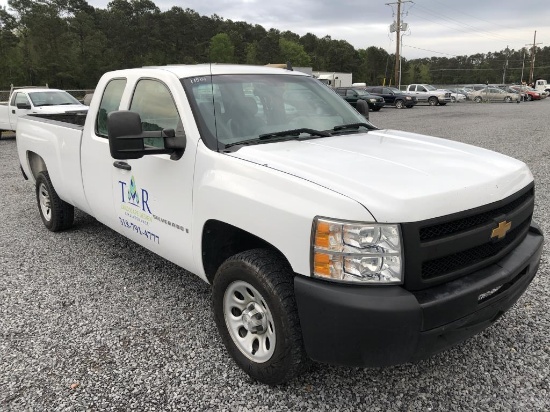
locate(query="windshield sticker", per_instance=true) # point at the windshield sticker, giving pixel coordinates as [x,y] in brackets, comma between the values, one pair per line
[196,80]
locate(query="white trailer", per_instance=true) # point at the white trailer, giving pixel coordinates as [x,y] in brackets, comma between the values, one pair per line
[334,79]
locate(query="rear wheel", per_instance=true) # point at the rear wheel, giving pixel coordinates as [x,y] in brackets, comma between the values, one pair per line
[477,99]
[256,314]
[399,104]
[507,99]
[432,101]
[55,213]
[529,97]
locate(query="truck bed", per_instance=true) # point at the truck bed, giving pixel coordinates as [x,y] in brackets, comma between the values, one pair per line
[58,143]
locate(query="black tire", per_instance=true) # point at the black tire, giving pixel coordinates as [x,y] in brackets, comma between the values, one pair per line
[55,213]
[399,104]
[432,101]
[270,281]
[453,99]
[477,99]
[507,99]
[529,97]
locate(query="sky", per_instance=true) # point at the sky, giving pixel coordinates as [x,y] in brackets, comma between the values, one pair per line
[436,28]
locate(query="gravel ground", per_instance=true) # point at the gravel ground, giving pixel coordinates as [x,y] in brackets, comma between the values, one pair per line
[91,321]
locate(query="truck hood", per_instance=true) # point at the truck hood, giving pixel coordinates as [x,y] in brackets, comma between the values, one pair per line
[398,176]
[58,109]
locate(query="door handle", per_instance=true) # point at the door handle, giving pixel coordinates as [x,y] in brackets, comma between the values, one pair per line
[122,165]
[13,111]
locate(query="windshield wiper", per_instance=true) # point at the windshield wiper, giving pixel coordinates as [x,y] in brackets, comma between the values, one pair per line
[295,132]
[353,126]
[285,135]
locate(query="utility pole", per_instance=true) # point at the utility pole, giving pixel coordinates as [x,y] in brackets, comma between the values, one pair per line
[397,27]
[533,50]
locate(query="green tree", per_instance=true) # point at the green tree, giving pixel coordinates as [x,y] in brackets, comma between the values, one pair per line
[293,52]
[221,49]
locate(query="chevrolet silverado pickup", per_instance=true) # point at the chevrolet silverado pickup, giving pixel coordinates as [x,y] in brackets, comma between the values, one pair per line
[324,237]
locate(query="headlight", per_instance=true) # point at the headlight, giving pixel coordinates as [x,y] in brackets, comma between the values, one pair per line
[372,100]
[408,97]
[357,252]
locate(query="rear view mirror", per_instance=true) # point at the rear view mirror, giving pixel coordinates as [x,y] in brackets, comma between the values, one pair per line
[126,138]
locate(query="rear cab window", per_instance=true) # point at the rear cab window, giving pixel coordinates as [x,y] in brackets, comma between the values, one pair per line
[110,102]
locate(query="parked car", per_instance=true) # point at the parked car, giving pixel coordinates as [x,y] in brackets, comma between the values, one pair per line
[353,94]
[393,96]
[37,101]
[457,96]
[427,93]
[494,94]
[529,92]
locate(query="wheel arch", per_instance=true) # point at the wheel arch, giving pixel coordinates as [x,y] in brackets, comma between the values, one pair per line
[221,240]
[36,164]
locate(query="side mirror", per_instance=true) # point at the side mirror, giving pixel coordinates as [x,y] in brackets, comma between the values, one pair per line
[126,138]
[363,108]
[24,106]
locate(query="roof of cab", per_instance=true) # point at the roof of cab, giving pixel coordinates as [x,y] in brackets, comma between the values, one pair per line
[206,69]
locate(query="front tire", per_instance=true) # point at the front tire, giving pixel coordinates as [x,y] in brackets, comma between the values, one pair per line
[256,314]
[477,99]
[432,101]
[507,99]
[399,104]
[55,213]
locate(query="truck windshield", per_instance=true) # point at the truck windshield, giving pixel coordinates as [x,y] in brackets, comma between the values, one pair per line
[234,108]
[52,98]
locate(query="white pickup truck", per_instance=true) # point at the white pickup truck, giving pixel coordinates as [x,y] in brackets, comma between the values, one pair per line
[25,101]
[323,236]
[427,93]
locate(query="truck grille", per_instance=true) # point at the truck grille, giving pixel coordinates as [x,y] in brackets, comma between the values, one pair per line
[445,248]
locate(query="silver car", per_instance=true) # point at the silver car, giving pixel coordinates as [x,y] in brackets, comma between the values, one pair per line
[493,94]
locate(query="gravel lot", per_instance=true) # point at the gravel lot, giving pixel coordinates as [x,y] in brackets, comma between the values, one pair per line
[91,321]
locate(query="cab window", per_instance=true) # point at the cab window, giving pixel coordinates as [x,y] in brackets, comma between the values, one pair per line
[19,98]
[109,103]
[154,103]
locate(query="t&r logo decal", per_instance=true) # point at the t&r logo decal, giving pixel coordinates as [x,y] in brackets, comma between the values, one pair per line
[132,195]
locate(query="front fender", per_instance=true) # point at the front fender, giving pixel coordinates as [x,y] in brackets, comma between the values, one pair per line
[274,206]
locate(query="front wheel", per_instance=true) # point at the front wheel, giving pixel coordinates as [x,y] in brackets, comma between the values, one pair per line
[529,97]
[432,101]
[55,213]
[507,99]
[477,99]
[256,314]
[399,104]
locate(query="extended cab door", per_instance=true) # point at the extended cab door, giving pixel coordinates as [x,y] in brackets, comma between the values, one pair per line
[96,160]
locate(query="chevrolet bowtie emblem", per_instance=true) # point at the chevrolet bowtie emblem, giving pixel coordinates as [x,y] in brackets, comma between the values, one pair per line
[501,230]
